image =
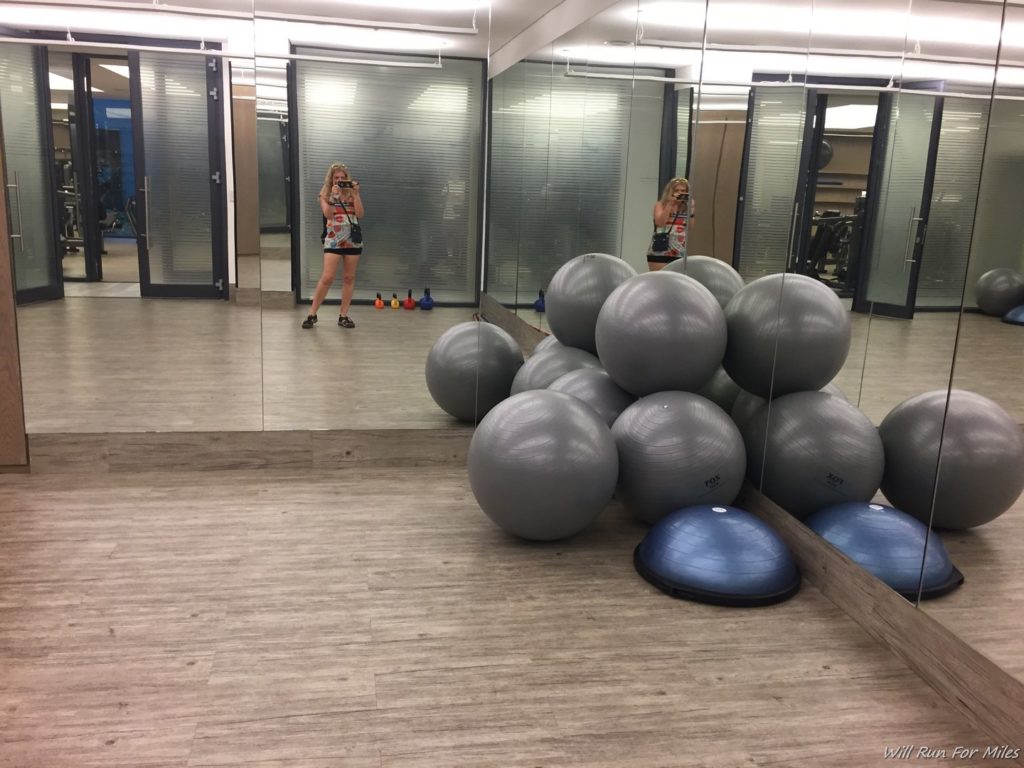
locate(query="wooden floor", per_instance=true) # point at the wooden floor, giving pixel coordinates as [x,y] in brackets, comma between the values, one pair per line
[117,365]
[377,618]
[988,610]
[129,366]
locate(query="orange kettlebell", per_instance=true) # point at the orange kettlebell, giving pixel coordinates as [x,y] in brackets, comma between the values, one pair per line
[378,302]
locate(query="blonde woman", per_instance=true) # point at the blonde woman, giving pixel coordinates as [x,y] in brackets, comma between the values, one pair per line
[672,214]
[343,240]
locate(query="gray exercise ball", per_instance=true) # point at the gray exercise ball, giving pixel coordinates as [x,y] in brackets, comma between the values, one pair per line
[548,342]
[999,290]
[542,369]
[542,465]
[676,449]
[595,388]
[787,333]
[746,404]
[714,274]
[470,369]
[661,331]
[721,390]
[576,293]
[981,473]
[811,450]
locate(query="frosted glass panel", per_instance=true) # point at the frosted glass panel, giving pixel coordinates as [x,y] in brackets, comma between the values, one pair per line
[411,137]
[28,197]
[682,129]
[954,198]
[564,152]
[179,230]
[773,167]
[272,137]
[899,199]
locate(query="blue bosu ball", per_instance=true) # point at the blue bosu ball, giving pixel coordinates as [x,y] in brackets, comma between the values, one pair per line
[717,554]
[1015,316]
[889,544]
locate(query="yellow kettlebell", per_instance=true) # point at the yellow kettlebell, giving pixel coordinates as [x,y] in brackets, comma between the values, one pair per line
[395,303]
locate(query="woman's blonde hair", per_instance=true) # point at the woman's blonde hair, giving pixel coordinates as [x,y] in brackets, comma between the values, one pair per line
[666,193]
[325,190]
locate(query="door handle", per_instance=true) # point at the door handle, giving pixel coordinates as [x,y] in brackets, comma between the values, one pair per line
[20,237]
[144,189]
[908,248]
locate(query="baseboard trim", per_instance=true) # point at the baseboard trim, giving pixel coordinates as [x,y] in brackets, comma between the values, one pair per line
[985,694]
[98,453]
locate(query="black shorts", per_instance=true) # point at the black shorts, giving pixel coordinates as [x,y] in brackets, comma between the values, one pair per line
[662,258]
[345,251]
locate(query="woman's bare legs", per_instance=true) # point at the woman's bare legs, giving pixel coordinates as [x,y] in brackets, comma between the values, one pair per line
[348,282]
[326,278]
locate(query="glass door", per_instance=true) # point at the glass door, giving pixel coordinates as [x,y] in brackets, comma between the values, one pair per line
[177,112]
[32,211]
[899,199]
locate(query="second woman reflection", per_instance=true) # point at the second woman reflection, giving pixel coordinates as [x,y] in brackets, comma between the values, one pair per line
[672,214]
[343,240]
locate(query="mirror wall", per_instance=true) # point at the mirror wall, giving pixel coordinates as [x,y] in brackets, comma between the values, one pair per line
[856,150]
[396,107]
[123,154]
[982,437]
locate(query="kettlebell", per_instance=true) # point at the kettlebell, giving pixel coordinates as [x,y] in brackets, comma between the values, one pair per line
[539,303]
[410,302]
[378,302]
[427,302]
[395,303]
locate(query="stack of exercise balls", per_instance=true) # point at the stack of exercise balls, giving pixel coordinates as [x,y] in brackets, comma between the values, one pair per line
[668,389]
[1000,292]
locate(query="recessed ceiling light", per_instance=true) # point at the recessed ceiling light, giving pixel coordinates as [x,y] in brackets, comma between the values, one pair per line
[61,83]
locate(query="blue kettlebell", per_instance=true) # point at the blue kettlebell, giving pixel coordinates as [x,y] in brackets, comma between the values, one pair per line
[539,303]
[427,302]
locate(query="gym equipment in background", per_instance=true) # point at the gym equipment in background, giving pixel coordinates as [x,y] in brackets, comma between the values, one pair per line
[888,543]
[999,290]
[538,304]
[378,302]
[470,369]
[426,301]
[981,470]
[410,302]
[721,390]
[542,465]
[717,554]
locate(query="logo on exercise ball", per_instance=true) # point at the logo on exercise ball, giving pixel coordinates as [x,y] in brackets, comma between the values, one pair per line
[713,482]
[834,480]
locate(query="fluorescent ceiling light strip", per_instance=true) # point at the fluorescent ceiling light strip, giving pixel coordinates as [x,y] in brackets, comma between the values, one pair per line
[159,8]
[339,22]
[116,47]
[334,60]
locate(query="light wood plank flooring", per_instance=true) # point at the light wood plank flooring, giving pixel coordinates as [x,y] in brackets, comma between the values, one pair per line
[369,377]
[988,610]
[377,618]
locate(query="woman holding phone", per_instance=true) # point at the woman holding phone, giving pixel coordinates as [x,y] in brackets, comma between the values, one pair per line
[343,241]
[672,214]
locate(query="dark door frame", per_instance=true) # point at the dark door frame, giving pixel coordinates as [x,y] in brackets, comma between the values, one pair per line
[87,164]
[55,290]
[860,301]
[218,287]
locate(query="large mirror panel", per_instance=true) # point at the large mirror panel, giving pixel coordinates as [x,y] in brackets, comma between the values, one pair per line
[130,212]
[978,514]
[371,124]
